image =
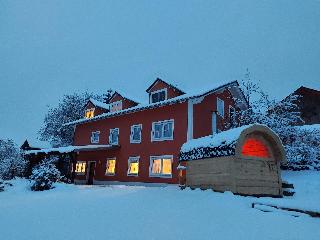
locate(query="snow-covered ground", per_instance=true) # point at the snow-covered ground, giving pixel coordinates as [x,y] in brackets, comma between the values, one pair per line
[122,212]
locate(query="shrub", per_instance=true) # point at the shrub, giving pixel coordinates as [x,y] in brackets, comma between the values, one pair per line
[43,176]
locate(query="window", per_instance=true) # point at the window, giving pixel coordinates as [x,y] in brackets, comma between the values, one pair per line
[80,168]
[114,136]
[135,134]
[158,96]
[116,106]
[95,137]
[111,166]
[255,148]
[162,130]
[220,107]
[89,113]
[133,166]
[232,115]
[160,166]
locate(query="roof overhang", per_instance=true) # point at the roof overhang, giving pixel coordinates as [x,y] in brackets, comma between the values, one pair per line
[70,149]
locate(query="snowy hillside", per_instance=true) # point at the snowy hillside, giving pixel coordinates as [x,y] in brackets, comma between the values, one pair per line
[121,212]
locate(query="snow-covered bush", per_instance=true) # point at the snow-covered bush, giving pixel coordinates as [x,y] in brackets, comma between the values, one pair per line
[12,164]
[43,176]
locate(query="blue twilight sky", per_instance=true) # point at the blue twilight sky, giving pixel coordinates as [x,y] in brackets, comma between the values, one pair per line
[49,48]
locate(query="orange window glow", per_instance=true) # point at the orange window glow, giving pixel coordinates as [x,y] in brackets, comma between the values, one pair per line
[255,148]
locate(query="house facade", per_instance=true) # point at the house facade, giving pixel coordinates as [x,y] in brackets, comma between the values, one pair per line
[140,143]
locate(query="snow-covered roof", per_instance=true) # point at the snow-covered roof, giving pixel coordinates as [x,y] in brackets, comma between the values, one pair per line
[99,104]
[125,96]
[69,149]
[217,145]
[312,127]
[141,107]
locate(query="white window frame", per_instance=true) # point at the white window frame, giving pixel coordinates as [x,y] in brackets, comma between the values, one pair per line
[95,141]
[153,139]
[219,100]
[165,90]
[130,160]
[110,138]
[115,167]
[85,170]
[160,175]
[89,110]
[132,133]
[114,104]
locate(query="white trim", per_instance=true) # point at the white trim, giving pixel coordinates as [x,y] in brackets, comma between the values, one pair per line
[115,167]
[114,143]
[214,126]
[222,101]
[133,159]
[157,91]
[115,103]
[153,139]
[160,175]
[91,138]
[132,131]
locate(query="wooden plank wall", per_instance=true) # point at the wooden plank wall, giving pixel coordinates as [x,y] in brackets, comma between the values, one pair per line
[239,175]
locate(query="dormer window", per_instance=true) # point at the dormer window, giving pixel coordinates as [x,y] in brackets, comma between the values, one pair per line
[158,96]
[116,106]
[89,113]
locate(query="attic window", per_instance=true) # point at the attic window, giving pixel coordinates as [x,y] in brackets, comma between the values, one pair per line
[158,96]
[116,106]
[89,113]
[255,148]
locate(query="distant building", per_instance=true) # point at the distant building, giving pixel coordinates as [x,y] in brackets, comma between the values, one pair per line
[309,104]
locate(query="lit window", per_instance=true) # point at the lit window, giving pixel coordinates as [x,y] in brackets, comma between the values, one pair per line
[95,137]
[111,166]
[162,130]
[116,106]
[255,148]
[89,113]
[114,136]
[158,96]
[80,168]
[135,135]
[133,166]
[220,107]
[161,166]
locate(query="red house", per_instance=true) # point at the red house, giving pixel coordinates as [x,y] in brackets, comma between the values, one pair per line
[124,141]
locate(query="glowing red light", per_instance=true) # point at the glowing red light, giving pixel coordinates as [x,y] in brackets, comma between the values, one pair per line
[255,148]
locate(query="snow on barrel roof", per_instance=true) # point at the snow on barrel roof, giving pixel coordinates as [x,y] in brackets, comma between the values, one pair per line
[217,145]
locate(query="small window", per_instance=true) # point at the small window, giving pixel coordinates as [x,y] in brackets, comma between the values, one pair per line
[133,166]
[95,137]
[135,134]
[80,168]
[232,116]
[89,113]
[220,107]
[162,130]
[114,136]
[111,166]
[158,96]
[160,166]
[116,106]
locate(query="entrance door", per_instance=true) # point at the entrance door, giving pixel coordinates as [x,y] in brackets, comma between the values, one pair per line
[91,172]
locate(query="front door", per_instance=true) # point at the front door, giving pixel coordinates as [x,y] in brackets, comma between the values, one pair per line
[91,173]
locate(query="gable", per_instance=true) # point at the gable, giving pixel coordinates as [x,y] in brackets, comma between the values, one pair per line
[171,91]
